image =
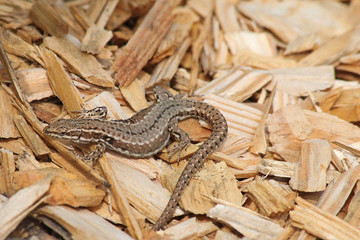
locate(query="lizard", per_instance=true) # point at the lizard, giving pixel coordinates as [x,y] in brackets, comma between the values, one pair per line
[146,133]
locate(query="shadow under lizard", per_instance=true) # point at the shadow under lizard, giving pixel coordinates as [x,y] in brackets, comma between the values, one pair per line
[145,134]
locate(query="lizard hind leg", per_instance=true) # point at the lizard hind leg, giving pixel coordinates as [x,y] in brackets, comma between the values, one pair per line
[180,136]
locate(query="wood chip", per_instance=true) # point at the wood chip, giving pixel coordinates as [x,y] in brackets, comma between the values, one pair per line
[246,222]
[310,174]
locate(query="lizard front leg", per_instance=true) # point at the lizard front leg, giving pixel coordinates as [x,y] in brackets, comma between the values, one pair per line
[91,158]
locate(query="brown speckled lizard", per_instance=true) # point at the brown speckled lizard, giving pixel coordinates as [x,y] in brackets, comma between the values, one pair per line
[145,134]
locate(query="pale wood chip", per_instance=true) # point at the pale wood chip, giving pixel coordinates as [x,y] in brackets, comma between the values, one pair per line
[259,43]
[212,180]
[147,197]
[95,39]
[283,99]
[301,44]
[270,197]
[66,188]
[202,7]
[34,84]
[115,111]
[79,62]
[166,69]
[83,224]
[297,125]
[248,58]
[298,81]
[61,83]
[321,223]
[189,229]
[17,46]
[259,144]
[143,44]
[33,140]
[334,49]
[226,14]
[242,119]
[184,18]
[134,93]
[121,201]
[337,193]
[353,214]
[48,18]
[251,224]
[7,125]
[310,174]
[21,204]
[287,21]
[7,168]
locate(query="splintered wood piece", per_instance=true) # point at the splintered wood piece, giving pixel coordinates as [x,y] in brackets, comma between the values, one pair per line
[148,197]
[226,13]
[321,223]
[34,84]
[353,213]
[21,204]
[248,58]
[310,174]
[259,43]
[70,53]
[251,224]
[189,229]
[7,126]
[48,19]
[333,49]
[66,188]
[134,93]
[121,201]
[61,83]
[184,18]
[259,144]
[283,99]
[212,180]
[269,197]
[82,224]
[301,44]
[95,39]
[347,105]
[287,24]
[202,7]
[33,140]
[286,169]
[166,69]
[343,186]
[298,81]
[7,168]
[15,45]
[291,125]
[143,44]
[242,119]
[115,111]
[72,161]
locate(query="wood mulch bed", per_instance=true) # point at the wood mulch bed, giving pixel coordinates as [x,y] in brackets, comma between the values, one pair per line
[285,74]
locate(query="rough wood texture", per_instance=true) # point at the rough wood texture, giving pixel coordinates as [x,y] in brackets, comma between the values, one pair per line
[145,41]
[287,83]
